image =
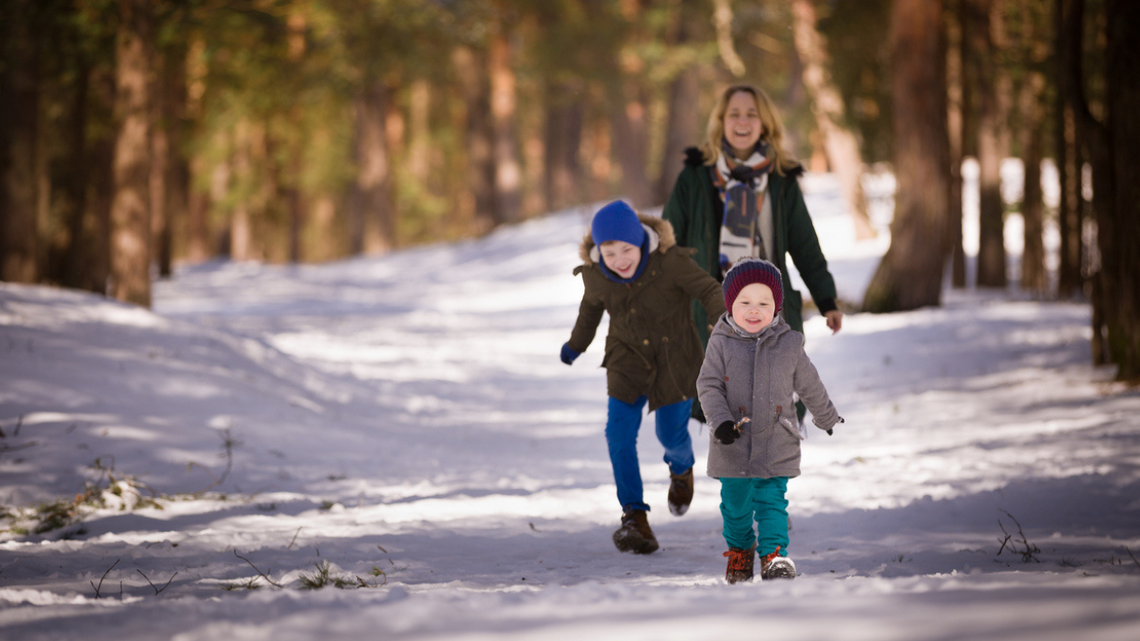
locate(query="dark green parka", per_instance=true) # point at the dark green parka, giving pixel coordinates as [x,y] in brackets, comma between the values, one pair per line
[695,210]
[652,347]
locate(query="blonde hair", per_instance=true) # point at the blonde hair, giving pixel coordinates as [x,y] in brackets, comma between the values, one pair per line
[773,133]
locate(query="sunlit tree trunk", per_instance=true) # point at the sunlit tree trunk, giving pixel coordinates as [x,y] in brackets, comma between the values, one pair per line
[910,274]
[827,105]
[991,243]
[130,208]
[19,236]
[373,226]
[508,171]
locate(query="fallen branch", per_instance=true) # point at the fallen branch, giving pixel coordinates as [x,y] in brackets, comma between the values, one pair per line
[290,547]
[1029,553]
[259,572]
[100,586]
[1133,557]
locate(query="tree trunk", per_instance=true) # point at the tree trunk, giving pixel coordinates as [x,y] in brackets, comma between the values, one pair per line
[508,172]
[629,115]
[991,227]
[562,180]
[373,226]
[957,102]
[471,70]
[161,121]
[1119,244]
[19,97]
[130,208]
[827,105]
[910,274]
[1034,275]
[683,127]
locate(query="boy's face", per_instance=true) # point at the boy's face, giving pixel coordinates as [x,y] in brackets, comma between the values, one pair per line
[621,257]
[754,307]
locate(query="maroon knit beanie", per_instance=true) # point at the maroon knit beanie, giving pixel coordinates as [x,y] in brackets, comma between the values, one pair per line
[752,270]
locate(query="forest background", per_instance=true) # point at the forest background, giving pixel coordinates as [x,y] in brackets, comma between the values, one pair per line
[138,134]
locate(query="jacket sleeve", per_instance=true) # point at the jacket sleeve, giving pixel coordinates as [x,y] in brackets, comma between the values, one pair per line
[711,389]
[700,285]
[675,213]
[812,392]
[589,316]
[803,246]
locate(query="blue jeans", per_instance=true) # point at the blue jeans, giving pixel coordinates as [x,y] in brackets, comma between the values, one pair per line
[622,425]
[744,500]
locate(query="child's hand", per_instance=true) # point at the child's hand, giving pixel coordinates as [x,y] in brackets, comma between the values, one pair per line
[568,354]
[726,432]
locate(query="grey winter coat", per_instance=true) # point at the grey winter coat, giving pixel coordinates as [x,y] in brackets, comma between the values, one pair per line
[755,376]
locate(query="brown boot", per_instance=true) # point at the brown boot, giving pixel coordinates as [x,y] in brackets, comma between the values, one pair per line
[739,564]
[775,566]
[634,535]
[680,492]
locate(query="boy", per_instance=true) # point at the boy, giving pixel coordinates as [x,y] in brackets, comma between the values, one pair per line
[634,269]
[753,364]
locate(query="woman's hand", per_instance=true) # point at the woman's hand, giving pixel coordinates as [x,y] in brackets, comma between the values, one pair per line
[834,320]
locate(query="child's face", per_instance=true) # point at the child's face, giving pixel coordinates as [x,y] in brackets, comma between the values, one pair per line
[742,126]
[754,307]
[621,257]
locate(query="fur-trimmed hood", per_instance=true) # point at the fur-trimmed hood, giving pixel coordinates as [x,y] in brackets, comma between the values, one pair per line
[694,157]
[660,232]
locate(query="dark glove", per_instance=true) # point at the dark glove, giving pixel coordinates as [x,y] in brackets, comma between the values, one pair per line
[568,354]
[726,432]
[841,421]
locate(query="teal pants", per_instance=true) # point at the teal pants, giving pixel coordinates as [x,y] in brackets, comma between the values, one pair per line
[747,500]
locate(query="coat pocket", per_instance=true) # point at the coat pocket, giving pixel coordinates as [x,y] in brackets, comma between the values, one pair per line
[787,423]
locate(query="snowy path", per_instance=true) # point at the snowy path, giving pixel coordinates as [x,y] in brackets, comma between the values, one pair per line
[409,414]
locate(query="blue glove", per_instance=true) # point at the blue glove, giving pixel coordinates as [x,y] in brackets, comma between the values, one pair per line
[568,354]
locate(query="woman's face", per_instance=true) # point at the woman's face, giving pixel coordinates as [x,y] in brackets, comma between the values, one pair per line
[742,126]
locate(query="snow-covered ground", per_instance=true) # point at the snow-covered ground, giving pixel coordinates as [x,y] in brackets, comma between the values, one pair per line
[406,421]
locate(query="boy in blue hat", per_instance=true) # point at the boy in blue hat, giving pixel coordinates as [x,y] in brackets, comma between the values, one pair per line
[634,270]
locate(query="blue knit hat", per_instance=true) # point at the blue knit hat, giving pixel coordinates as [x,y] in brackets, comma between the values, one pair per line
[617,221]
[753,270]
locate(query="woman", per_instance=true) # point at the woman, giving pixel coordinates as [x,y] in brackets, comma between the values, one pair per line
[738,197]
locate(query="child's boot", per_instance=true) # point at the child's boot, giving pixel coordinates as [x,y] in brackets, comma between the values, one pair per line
[635,535]
[739,564]
[680,492]
[774,566]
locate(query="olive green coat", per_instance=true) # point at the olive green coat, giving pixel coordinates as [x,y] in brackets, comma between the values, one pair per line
[695,210]
[652,347]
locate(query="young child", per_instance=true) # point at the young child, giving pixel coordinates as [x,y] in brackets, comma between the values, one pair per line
[753,364]
[634,269]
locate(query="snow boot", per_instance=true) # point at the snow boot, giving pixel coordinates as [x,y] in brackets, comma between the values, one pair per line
[680,492]
[774,566]
[739,564]
[634,535]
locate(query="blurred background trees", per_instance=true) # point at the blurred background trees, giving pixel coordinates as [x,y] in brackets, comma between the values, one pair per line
[136,135]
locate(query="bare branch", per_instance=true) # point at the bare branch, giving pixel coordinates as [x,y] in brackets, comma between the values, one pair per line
[262,574]
[156,589]
[98,587]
